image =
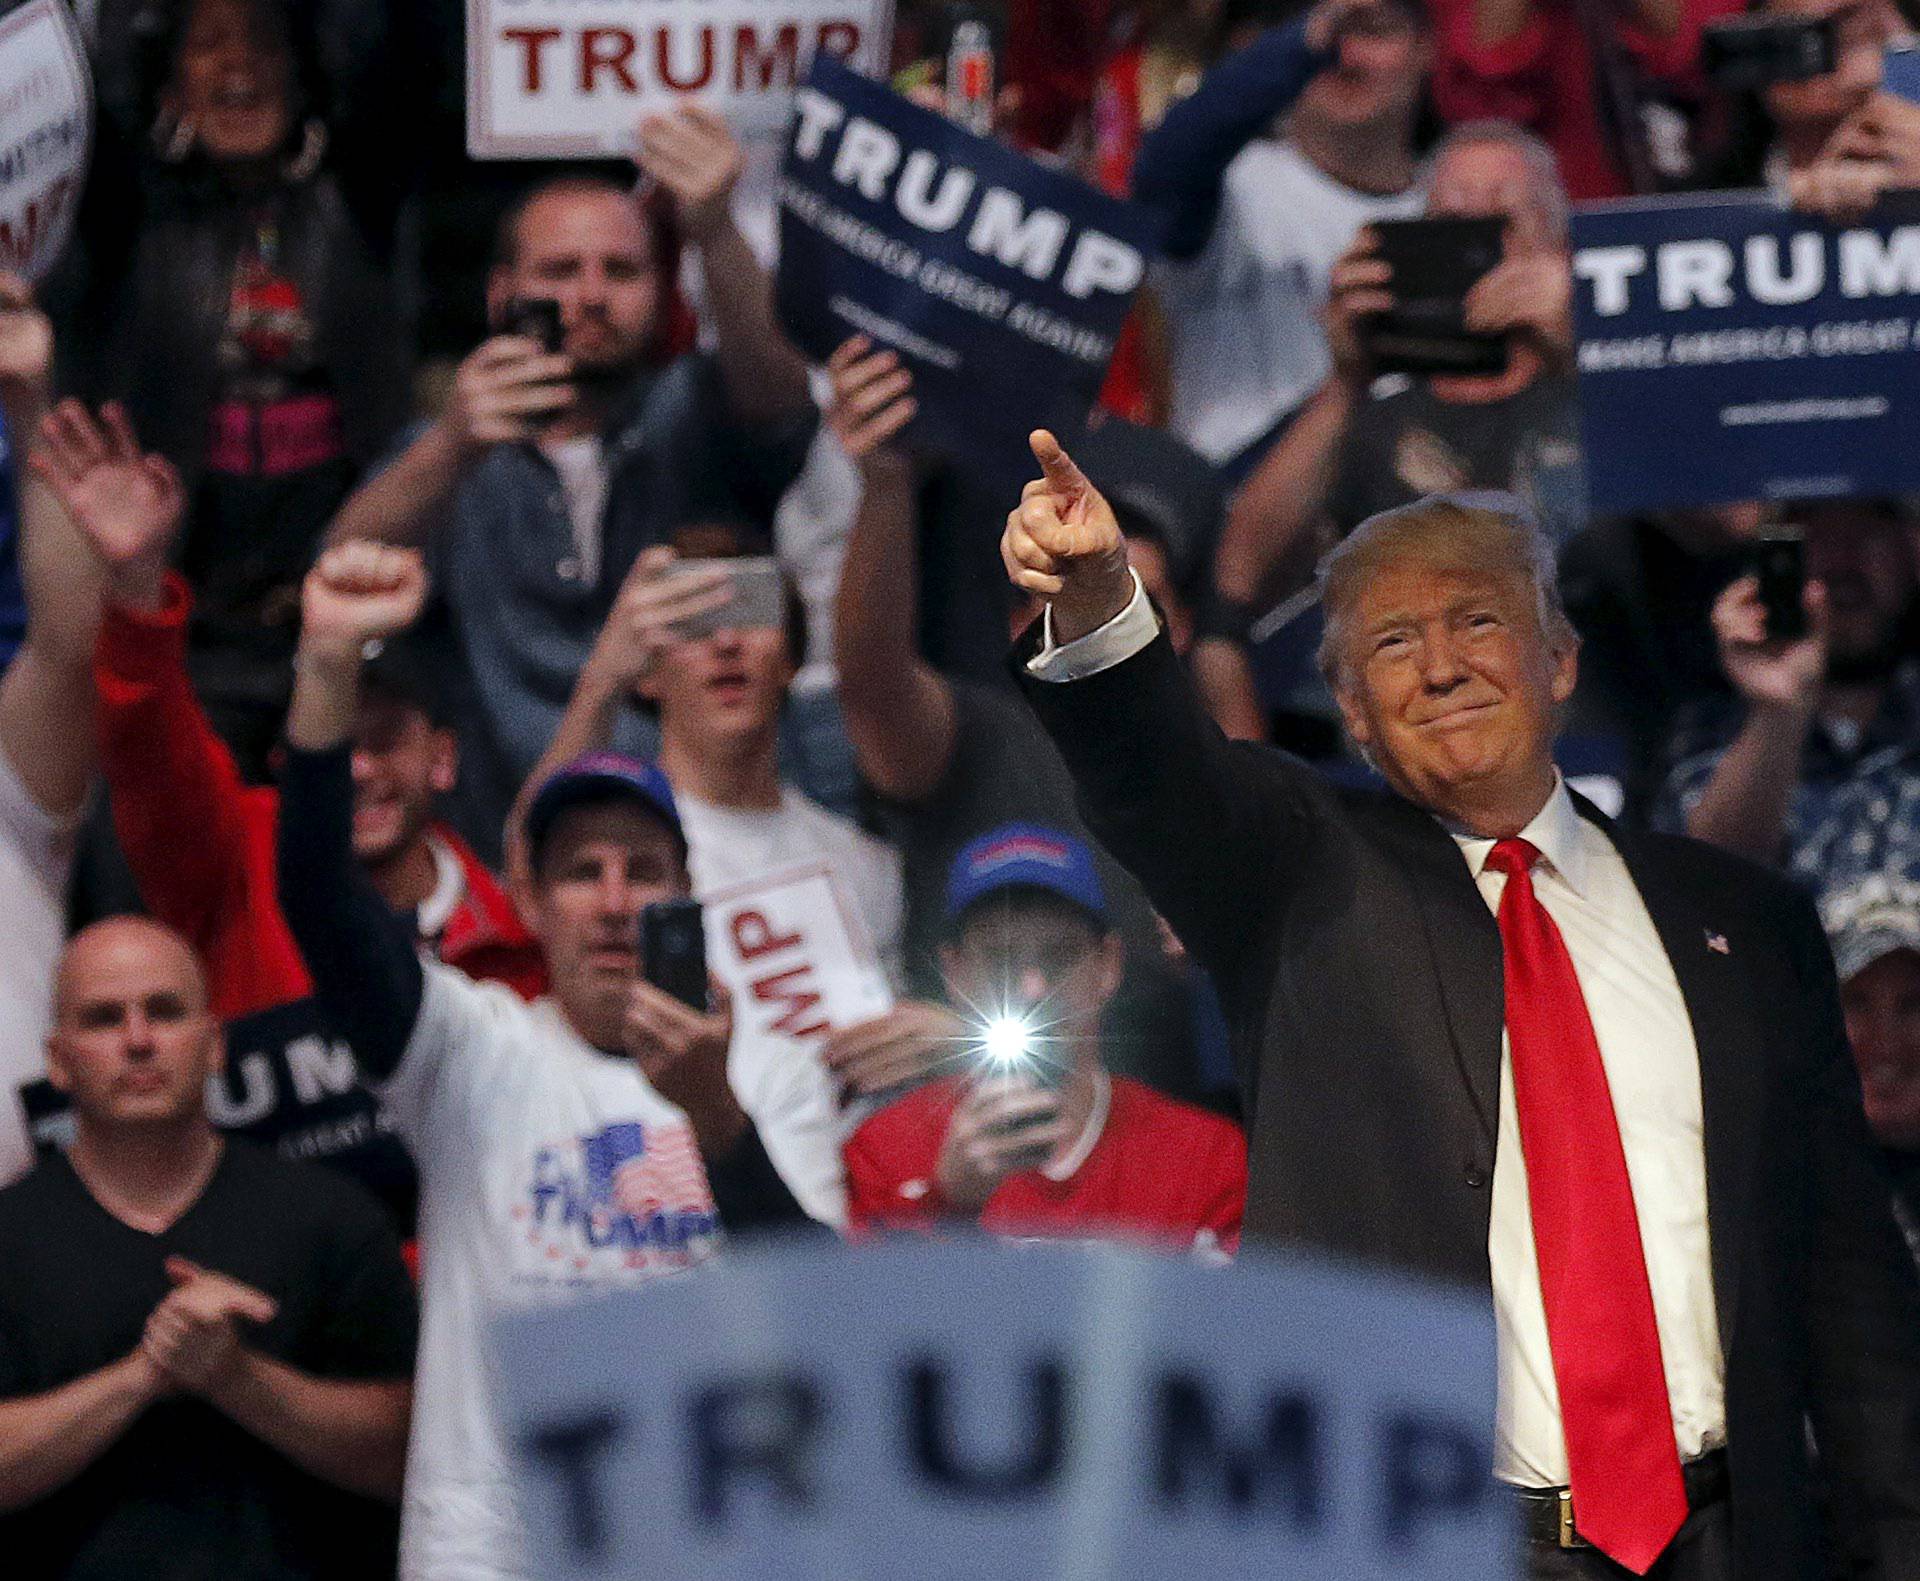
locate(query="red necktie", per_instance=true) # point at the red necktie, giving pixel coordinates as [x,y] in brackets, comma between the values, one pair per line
[1628,1494]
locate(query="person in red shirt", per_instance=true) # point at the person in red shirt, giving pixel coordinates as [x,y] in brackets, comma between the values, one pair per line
[200,841]
[1533,62]
[1035,1138]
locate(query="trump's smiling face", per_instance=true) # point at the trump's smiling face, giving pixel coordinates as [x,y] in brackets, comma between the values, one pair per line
[1450,683]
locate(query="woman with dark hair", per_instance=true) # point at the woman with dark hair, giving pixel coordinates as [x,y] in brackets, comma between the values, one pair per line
[246,315]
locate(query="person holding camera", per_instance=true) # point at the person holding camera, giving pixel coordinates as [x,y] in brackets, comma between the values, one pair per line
[1597,1078]
[1368,441]
[1289,145]
[575,437]
[585,1142]
[1817,706]
[1030,1135]
[711,648]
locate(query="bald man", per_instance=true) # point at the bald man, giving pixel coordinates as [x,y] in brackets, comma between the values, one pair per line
[205,1351]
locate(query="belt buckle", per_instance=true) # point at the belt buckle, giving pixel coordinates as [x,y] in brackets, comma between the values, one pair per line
[1569,1538]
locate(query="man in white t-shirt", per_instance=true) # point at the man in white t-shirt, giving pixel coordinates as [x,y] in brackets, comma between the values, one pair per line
[819,898]
[1256,220]
[46,763]
[586,1142]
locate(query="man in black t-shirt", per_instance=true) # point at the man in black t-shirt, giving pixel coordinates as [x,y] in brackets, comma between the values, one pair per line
[205,1352]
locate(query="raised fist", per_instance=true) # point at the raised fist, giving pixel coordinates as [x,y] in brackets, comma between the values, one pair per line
[360,592]
[1064,544]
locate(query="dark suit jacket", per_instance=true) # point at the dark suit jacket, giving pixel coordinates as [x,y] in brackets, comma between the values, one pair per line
[1361,972]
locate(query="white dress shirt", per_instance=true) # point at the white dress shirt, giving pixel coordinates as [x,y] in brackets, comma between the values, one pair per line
[1653,1071]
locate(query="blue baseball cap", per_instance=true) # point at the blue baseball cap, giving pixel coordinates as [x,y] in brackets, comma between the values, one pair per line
[1025,856]
[602,777]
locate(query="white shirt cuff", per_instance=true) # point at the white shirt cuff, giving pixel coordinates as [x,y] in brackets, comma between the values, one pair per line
[1100,649]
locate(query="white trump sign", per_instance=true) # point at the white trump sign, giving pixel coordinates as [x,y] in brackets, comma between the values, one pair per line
[566,79]
[961,1411]
[46,134]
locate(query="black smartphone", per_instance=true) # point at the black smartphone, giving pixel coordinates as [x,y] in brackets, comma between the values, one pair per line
[1435,263]
[1780,564]
[538,318]
[1742,53]
[673,950]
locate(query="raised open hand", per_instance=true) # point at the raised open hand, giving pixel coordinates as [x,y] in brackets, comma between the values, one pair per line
[128,506]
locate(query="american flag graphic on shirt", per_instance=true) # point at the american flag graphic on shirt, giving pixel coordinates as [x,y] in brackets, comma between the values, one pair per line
[640,1170]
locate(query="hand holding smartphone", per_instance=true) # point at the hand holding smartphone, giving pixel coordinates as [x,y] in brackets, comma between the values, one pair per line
[1781,570]
[756,595]
[673,950]
[1745,53]
[1435,262]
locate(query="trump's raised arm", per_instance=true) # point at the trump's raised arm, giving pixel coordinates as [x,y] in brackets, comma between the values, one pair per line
[1200,821]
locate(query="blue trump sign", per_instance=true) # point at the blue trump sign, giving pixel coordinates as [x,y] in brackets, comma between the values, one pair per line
[1733,350]
[1002,284]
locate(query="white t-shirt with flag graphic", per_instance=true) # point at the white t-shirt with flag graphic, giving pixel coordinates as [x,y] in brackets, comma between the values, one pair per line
[548,1171]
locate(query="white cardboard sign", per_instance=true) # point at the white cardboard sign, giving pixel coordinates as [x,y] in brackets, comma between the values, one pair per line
[46,134]
[568,79]
[799,964]
[960,1411]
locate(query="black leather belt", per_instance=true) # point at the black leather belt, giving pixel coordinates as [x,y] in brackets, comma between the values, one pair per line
[1549,1515]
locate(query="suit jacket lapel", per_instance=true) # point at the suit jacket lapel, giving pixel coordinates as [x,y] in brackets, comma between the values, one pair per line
[1729,1038]
[1464,943]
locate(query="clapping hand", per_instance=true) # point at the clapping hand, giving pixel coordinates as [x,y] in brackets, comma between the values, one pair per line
[193,1336]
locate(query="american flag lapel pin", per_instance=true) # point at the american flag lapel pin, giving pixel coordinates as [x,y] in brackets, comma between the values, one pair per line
[1717,942]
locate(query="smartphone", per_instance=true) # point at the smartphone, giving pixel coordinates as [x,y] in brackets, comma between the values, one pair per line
[1742,53]
[673,950]
[972,73]
[539,319]
[1781,567]
[1435,263]
[757,596]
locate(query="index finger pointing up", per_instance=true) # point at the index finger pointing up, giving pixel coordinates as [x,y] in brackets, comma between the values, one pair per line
[1057,464]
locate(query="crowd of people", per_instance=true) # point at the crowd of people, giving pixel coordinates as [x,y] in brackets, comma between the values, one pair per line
[396,646]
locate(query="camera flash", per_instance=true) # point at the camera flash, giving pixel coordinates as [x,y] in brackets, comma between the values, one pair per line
[1006,1041]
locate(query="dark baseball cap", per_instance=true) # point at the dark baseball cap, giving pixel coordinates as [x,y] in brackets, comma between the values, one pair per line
[597,778]
[1025,856]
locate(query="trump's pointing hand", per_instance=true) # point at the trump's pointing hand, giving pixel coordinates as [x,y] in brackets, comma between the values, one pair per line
[1063,543]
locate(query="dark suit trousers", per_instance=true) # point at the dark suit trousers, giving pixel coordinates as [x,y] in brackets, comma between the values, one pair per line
[1703,1551]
